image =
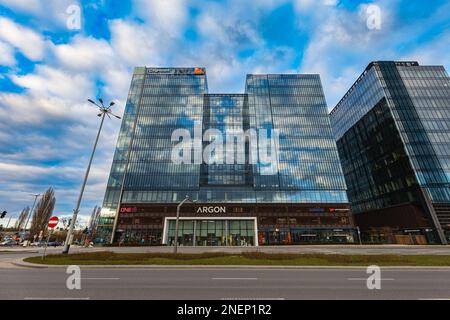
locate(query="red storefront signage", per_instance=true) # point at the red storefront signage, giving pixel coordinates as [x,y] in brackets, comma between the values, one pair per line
[128,210]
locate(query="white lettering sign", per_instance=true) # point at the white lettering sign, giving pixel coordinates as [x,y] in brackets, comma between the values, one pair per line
[212,210]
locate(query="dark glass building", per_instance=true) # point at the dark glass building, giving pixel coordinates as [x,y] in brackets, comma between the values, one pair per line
[297,195]
[393,135]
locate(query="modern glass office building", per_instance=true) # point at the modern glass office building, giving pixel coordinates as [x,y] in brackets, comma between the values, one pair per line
[393,134]
[238,196]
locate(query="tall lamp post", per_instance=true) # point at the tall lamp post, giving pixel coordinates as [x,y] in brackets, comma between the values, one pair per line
[103,111]
[175,248]
[37,195]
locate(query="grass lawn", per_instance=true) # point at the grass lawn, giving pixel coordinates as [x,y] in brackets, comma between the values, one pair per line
[248,258]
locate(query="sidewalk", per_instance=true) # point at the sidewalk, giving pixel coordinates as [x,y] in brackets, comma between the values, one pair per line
[325,249]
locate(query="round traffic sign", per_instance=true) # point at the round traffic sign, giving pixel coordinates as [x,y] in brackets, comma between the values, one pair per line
[53,222]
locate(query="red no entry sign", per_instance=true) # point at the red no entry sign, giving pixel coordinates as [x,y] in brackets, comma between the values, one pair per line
[53,222]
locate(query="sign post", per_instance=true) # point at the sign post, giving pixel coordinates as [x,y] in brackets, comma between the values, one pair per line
[52,223]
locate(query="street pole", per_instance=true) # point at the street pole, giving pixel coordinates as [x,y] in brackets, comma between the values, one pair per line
[359,235]
[31,212]
[116,218]
[175,248]
[46,244]
[77,209]
[7,226]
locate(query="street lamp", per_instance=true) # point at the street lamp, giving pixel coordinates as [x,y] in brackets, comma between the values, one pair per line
[175,248]
[103,111]
[31,212]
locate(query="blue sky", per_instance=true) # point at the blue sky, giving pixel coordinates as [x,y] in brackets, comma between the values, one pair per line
[47,71]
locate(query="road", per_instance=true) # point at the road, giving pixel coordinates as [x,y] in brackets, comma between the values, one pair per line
[223,283]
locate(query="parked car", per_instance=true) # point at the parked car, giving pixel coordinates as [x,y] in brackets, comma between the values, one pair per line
[38,244]
[54,244]
[9,242]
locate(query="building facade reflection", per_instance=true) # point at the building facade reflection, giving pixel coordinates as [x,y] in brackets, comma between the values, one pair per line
[300,197]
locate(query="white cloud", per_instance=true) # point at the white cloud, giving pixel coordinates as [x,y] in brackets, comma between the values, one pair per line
[436,52]
[32,6]
[93,56]
[6,55]
[306,5]
[169,17]
[50,13]
[136,44]
[49,81]
[30,43]
[85,54]
[341,36]
[40,110]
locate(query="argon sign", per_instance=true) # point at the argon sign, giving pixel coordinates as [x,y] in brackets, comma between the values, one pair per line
[212,210]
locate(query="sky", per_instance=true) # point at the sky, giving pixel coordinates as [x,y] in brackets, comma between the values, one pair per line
[55,54]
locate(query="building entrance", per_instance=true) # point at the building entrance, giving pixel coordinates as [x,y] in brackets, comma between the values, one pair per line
[211,232]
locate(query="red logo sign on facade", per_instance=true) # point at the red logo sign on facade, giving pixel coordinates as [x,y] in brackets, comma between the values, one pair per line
[128,210]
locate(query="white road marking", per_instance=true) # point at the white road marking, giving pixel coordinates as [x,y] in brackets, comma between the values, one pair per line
[44,298]
[234,278]
[100,278]
[365,279]
[252,299]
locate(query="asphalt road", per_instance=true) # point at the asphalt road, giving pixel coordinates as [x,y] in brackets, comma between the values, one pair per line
[225,283]
[221,283]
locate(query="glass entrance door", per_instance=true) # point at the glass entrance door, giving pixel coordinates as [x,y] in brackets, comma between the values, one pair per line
[215,232]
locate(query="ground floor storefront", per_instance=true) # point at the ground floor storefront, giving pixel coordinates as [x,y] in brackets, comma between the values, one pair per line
[235,225]
[407,224]
[211,232]
[273,236]
[406,236]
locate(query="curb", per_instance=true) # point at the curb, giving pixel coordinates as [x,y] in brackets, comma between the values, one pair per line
[22,263]
[17,252]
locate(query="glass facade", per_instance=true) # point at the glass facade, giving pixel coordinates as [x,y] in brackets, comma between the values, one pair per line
[217,232]
[306,169]
[379,175]
[295,106]
[392,131]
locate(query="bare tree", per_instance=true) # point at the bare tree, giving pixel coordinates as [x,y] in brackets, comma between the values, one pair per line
[93,222]
[22,218]
[42,213]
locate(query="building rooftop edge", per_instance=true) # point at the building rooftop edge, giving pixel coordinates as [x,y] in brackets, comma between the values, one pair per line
[370,66]
[138,68]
